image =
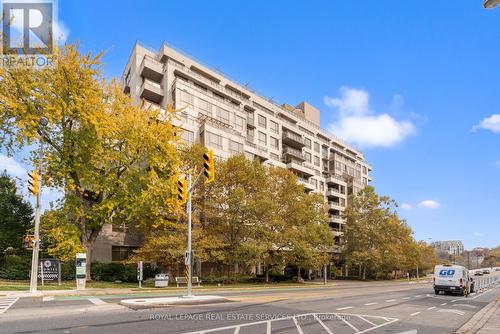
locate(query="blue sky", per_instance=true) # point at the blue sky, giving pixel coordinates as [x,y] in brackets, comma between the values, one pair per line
[415,84]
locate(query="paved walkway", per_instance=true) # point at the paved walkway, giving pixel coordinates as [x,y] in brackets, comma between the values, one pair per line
[492,326]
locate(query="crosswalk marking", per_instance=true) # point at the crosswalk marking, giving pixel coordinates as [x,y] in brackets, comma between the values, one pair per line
[97,301]
[6,303]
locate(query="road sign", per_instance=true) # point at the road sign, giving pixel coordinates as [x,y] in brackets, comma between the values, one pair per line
[139,271]
[187,258]
[81,270]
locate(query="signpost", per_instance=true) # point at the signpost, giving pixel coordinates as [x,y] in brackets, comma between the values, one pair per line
[81,270]
[140,273]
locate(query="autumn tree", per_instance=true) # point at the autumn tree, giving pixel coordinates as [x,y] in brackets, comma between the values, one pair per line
[113,160]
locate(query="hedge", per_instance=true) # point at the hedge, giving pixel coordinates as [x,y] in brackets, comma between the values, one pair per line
[15,267]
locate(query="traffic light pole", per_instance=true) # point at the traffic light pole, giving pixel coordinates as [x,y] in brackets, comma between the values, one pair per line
[36,246]
[190,265]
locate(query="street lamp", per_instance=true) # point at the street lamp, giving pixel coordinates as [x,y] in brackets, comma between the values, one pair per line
[489,4]
[36,247]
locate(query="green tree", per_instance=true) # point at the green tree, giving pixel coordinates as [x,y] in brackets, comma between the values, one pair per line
[114,161]
[16,215]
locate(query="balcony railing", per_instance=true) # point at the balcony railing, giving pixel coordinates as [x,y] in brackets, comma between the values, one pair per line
[294,153]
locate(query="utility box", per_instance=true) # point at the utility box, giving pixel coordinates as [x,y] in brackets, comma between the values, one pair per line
[161,280]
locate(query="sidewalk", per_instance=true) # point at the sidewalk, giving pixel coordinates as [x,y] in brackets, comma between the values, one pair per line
[492,325]
[486,321]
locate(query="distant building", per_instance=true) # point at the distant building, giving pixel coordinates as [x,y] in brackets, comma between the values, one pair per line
[452,247]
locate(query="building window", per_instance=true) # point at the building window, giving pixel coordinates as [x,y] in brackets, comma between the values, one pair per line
[188,137]
[205,107]
[235,147]
[262,138]
[121,253]
[308,156]
[186,97]
[316,161]
[274,142]
[321,186]
[223,115]
[250,134]
[239,123]
[274,127]
[364,170]
[274,156]
[307,141]
[262,121]
[316,147]
[213,140]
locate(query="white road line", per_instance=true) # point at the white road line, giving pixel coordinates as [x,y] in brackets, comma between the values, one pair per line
[297,325]
[414,314]
[268,329]
[451,311]
[432,308]
[344,308]
[48,298]
[323,324]
[349,324]
[443,304]
[97,301]
[390,300]
[406,298]
[6,303]
[237,330]
[368,304]
[368,321]
[418,296]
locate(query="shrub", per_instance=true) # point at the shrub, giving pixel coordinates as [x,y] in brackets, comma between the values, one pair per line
[15,267]
[111,272]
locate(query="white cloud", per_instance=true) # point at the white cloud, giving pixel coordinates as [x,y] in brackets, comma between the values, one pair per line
[429,204]
[491,123]
[12,167]
[358,124]
[406,206]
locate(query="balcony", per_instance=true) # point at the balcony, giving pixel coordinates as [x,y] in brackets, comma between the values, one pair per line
[335,219]
[152,91]
[250,122]
[335,206]
[308,186]
[257,150]
[335,179]
[293,139]
[332,192]
[293,152]
[151,69]
[300,168]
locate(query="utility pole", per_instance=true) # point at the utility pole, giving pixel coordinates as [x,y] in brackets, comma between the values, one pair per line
[36,246]
[190,264]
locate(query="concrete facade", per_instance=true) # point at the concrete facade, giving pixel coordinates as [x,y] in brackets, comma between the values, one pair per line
[232,119]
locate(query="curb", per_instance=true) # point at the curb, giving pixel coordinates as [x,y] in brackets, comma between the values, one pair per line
[141,303]
[479,319]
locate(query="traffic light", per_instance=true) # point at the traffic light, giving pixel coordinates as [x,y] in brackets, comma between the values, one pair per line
[28,241]
[33,185]
[208,166]
[182,191]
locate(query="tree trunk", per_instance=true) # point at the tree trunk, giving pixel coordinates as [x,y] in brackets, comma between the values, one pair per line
[298,274]
[364,272]
[88,251]
[267,274]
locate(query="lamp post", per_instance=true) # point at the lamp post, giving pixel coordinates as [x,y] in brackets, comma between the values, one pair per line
[36,247]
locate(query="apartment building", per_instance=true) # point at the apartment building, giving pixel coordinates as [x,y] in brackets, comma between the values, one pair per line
[233,119]
[452,247]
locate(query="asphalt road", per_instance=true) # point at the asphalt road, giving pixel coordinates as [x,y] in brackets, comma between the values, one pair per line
[344,308]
